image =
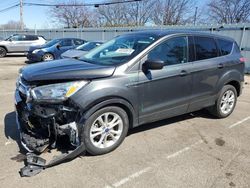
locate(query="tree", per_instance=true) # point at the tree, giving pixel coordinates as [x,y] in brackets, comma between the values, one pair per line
[112,15]
[229,11]
[172,12]
[139,13]
[11,25]
[126,14]
[71,16]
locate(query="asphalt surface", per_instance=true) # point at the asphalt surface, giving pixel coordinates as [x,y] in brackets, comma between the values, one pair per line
[193,150]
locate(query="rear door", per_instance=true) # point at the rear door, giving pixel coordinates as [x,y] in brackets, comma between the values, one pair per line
[166,92]
[206,72]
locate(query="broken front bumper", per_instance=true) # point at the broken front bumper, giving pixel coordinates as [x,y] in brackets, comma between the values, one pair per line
[40,125]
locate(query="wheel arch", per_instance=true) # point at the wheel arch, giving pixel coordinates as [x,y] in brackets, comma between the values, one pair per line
[236,85]
[4,48]
[119,102]
[234,78]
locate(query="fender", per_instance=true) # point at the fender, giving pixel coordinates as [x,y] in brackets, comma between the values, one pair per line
[232,75]
[133,117]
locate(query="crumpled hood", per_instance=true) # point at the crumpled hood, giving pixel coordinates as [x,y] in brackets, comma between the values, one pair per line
[65,69]
[73,53]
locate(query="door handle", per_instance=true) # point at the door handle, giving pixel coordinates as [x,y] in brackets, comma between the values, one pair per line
[184,73]
[220,66]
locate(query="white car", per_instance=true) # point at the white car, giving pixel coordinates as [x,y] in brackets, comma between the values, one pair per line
[20,43]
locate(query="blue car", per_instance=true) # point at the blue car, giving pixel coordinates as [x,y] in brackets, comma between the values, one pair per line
[53,49]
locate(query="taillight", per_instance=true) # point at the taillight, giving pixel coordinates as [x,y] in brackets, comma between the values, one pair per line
[243,60]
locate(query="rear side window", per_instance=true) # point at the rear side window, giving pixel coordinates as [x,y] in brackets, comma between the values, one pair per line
[205,48]
[31,37]
[225,46]
[78,42]
[173,51]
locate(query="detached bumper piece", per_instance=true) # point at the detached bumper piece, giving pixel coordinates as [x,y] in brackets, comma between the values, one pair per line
[35,164]
[41,126]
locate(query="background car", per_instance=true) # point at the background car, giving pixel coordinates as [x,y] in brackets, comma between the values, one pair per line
[53,49]
[80,50]
[20,43]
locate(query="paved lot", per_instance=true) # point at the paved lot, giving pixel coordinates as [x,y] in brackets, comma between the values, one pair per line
[193,150]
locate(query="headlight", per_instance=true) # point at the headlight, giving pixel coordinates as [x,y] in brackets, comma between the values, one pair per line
[57,92]
[35,51]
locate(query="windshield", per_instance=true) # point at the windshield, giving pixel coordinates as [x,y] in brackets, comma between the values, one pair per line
[119,50]
[51,43]
[88,46]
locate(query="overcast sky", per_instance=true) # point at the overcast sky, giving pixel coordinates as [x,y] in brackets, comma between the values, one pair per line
[37,17]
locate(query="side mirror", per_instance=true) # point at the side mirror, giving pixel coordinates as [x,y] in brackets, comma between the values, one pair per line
[58,46]
[153,65]
[10,40]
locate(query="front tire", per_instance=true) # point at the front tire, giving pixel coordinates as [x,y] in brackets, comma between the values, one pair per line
[105,130]
[3,52]
[48,57]
[225,103]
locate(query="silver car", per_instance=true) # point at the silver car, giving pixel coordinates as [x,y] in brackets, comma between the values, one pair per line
[20,43]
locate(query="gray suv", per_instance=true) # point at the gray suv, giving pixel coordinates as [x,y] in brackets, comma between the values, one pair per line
[20,43]
[128,81]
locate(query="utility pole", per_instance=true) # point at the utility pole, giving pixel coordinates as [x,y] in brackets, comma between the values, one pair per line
[195,15]
[21,15]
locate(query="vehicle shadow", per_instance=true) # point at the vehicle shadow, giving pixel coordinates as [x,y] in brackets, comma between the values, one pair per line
[11,130]
[170,121]
[16,55]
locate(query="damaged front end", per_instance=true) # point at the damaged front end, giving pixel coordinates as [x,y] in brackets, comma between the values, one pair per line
[45,114]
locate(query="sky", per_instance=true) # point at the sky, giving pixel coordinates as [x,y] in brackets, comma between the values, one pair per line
[36,17]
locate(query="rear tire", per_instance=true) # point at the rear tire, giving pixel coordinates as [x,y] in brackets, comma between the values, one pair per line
[225,103]
[3,52]
[105,130]
[48,57]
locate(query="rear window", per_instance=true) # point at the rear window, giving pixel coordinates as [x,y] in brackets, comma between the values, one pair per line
[205,48]
[225,46]
[31,37]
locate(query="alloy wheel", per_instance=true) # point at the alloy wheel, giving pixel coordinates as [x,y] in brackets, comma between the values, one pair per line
[227,102]
[106,130]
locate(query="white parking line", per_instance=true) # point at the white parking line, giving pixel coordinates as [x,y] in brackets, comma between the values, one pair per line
[183,150]
[130,177]
[239,122]
[145,170]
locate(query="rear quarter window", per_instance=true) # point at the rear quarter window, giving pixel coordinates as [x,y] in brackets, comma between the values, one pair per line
[205,48]
[225,46]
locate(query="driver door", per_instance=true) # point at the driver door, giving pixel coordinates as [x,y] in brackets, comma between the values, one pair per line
[165,93]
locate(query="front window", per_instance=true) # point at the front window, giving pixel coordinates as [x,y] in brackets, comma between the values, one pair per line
[119,50]
[51,43]
[15,38]
[66,42]
[171,52]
